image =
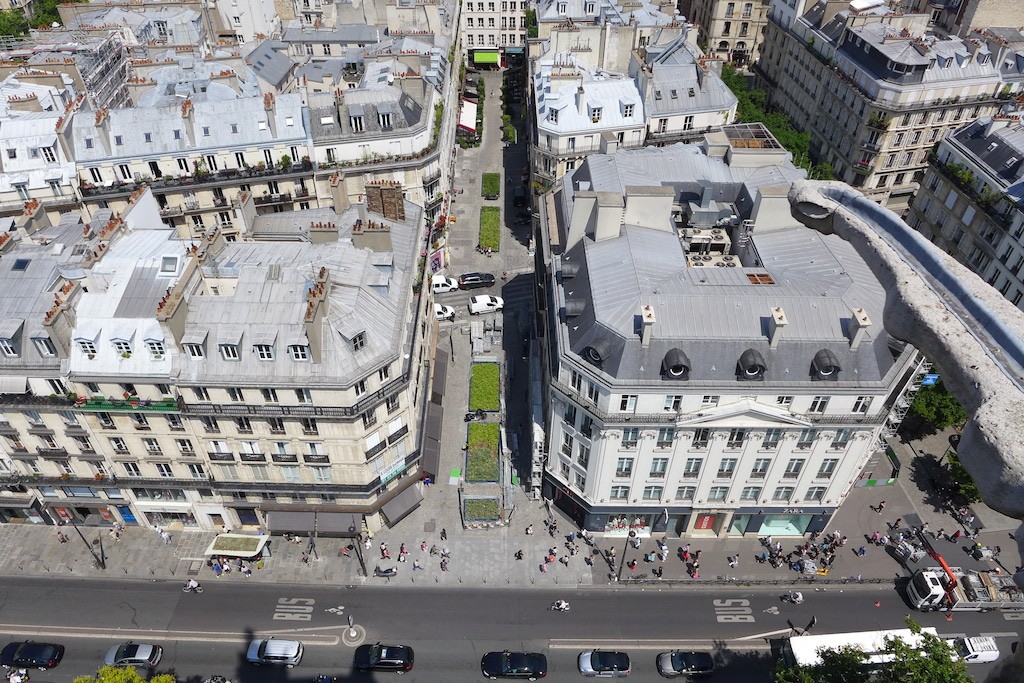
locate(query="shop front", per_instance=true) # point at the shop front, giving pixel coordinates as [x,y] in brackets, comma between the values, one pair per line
[612,521]
[21,509]
[80,511]
[788,522]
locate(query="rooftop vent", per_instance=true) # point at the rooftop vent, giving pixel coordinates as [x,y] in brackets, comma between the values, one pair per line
[569,269]
[825,366]
[751,366]
[574,307]
[598,352]
[675,365]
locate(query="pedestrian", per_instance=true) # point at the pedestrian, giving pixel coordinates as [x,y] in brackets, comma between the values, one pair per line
[217,569]
[444,565]
[686,555]
[970,521]
[304,559]
[956,536]
[897,523]
[940,532]
[564,559]
[434,550]
[367,543]
[416,565]
[347,550]
[875,537]
[842,541]
[529,530]
[733,561]
[924,528]
[632,565]
[886,539]
[572,537]
[696,565]
[862,551]
[544,567]
[444,534]
[881,506]
[686,548]
[445,554]
[697,555]
[611,553]
[519,554]
[423,547]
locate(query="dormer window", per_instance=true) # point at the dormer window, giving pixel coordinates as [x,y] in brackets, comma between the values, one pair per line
[298,352]
[983,59]
[384,120]
[657,94]
[553,116]
[7,348]
[590,7]
[156,348]
[359,341]
[44,347]
[562,6]
[195,350]
[627,111]
[264,351]
[123,348]
[229,351]
[595,115]
[357,123]
[87,347]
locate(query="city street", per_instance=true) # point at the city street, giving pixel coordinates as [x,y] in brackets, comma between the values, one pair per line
[449,630]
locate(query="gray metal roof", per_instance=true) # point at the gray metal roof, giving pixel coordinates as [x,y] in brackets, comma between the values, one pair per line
[270,62]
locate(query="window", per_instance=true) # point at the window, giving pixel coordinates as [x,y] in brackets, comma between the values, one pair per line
[658,467]
[290,473]
[783,493]
[303,396]
[592,392]
[818,404]
[624,467]
[619,493]
[726,468]
[701,437]
[264,351]
[583,456]
[243,425]
[630,436]
[298,352]
[627,404]
[666,435]
[194,350]
[229,351]
[718,493]
[118,444]
[201,393]
[152,446]
[132,469]
[784,401]
[627,111]
[156,348]
[570,415]
[806,438]
[692,468]
[276,425]
[736,438]
[827,468]
[308,425]
[210,424]
[862,404]
[269,395]
[771,438]
[686,492]
[369,418]
[44,346]
[196,470]
[360,387]
[841,439]
[760,468]
[391,404]
[164,469]
[49,156]
[235,394]
[185,447]
[793,468]
[815,493]
[653,492]
[709,401]
[359,341]
[553,116]
[87,347]
[673,402]
[750,493]
[140,421]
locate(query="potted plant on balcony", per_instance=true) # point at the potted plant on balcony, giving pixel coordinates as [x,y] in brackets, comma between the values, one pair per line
[100,476]
[64,476]
[285,162]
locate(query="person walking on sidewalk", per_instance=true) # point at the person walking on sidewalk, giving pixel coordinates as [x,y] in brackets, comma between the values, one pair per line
[444,534]
[529,530]
[880,506]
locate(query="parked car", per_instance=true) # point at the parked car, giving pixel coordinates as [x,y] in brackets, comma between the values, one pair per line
[377,657]
[274,652]
[475,280]
[31,655]
[675,663]
[485,304]
[442,312]
[528,665]
[440,284]
[602,663]
[134,654]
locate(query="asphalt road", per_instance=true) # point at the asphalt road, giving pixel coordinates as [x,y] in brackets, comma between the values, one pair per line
[449,629]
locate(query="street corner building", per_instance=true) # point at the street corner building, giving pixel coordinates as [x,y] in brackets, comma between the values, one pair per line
[269,380]
[713,368]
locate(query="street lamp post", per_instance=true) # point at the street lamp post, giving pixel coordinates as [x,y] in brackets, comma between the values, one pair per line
[629,537]
[99,558]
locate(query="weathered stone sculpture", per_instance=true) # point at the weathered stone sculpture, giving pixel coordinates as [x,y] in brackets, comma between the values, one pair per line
[962,324]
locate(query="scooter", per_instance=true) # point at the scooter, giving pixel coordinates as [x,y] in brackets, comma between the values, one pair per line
[385,573]
[192,589]
[794,598]
[477,414]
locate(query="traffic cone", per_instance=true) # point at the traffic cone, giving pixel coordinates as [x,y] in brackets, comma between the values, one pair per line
[949,616]
[878,603]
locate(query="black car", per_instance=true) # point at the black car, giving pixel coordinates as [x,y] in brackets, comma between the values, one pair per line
[377,657]
[31,655]
[475,280]
[529,665]
[672,664]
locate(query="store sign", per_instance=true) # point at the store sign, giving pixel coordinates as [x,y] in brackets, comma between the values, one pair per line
[929,380]
[392,472]
[704,522]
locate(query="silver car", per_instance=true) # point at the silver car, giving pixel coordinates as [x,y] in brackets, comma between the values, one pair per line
[274,652]
[134,654]
[602,663]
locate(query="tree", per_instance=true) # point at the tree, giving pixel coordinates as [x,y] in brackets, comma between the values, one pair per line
[933,661]
[128,674]
[44,12]
[936,406]
[13,23]
[962,481]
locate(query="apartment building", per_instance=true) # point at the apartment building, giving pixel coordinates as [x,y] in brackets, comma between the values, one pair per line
[198,156]
[732,30]
[970,202]
[604,27]
[177,28]
[34,162]
[875,88]
[492,30]
[704,378]
[271,382]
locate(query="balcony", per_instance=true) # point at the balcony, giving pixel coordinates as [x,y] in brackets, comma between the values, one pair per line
[220,202]
[227,177]
[276,198]
[301,193]
[133,405]
[864,166]
[169,211]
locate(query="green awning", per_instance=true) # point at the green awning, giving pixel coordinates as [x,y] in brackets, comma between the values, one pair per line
[485,57]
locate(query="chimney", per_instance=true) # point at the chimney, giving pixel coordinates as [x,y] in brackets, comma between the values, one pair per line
[339,193]
[607,220]
[581,103]
[647,320]
[188,115]
[316,309]
[995,123]
[859,325]
[270,106]
[775,326]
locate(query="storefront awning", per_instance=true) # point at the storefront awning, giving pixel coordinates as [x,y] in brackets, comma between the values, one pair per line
[467,117]
[288,521]
[440,376]
[485,57]
[344,524]
[402,504]
[237,545]
[9,384]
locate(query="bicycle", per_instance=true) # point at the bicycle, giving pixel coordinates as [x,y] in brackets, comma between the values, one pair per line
[198,588]
[555,607]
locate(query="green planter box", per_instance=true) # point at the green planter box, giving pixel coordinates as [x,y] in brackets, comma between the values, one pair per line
[484,386]
[490,185]
[490,227]
[482,455]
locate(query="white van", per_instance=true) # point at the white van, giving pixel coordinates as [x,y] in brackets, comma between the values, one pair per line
[485,304]
[440,284]
[274,652]
[979,650]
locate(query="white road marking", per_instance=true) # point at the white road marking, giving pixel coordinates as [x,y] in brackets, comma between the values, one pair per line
[759,636]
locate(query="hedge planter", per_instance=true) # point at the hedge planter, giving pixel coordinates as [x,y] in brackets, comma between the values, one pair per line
[482,455]
[484,387]
[490,185]
[481,509]
[490,228]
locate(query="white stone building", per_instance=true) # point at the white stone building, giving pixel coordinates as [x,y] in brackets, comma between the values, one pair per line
[716,369]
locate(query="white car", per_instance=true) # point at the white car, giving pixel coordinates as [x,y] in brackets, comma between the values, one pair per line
[485,304]
[442,312]
[441,285]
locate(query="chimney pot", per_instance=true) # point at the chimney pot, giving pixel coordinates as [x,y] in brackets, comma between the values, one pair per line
[859,325]
[775,326]
[647,320]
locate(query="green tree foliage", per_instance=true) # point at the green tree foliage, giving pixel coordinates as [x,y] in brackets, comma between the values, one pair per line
[751,107]
[44,12]
[13,23]
[963,481]
[934,661]
[115,674]
[936,406]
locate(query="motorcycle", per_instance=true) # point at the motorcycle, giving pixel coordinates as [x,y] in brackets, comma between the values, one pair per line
[555,607]
[795,598]
[475,415]
[192,589]
[385,573]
